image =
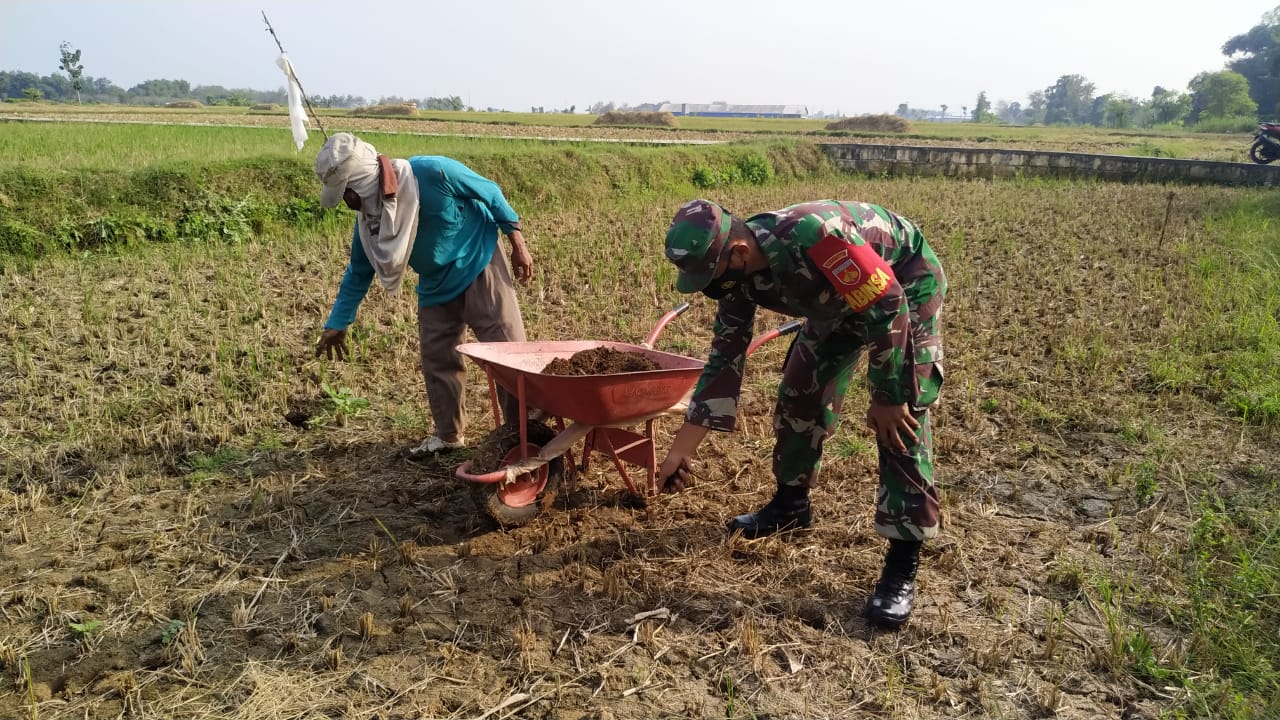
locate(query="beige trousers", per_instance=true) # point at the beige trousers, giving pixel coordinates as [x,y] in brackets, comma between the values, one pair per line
[490,308]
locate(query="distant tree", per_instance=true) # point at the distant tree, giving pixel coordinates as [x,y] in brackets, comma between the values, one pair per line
[218,95]
[56,86]
[1115,111]
[32,94]
[944,111]
[452,102]
[103,90]
[573,109]
[982,109]
[339,101]
[212,94]
[70,64]
[904,110]
[14,84]
[161,90]
[1037,107]
[1097,109]
[1220,94]
[1256,55]
[1167,106]
[1010,112]
[1069,101]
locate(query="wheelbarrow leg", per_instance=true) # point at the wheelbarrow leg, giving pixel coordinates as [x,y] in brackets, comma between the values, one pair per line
[651,467]
[571,470]
[619,445]
[493,398]
[587,448]
[600,440]
[524,414]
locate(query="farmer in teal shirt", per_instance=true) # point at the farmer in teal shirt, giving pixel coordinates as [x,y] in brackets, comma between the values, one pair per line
[439,217]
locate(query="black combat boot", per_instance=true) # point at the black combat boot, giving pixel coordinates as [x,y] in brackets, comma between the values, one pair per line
[890,605]
[788,510]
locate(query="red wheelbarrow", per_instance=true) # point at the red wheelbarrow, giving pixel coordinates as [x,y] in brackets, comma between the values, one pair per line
[598,408]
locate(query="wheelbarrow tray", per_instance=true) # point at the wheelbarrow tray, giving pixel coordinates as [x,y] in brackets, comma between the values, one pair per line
[612,399]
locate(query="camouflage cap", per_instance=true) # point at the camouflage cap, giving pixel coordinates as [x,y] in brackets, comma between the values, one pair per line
[694,242]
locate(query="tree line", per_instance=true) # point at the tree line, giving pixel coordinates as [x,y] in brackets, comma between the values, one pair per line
[76,87]
[26,85]
[1246,90]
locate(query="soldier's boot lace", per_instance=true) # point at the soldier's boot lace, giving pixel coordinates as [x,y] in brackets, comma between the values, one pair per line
[890,605]
[788,510]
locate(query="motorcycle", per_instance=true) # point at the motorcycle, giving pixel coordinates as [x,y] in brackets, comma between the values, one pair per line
[1266,144]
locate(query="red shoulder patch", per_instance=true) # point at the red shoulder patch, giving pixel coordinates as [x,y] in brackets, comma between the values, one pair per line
[857,272]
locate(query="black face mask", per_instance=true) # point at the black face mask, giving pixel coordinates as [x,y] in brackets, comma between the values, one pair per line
[725,283]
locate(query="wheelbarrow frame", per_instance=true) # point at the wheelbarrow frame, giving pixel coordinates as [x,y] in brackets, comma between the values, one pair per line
[606,431]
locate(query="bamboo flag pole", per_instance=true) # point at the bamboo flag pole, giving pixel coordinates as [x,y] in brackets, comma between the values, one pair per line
[305,98]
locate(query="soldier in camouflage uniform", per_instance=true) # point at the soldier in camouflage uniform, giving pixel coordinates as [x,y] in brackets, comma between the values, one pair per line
[864,280]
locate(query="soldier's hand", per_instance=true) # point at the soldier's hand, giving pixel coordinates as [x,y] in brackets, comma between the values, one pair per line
[332,343]
[673,475]
[891,423]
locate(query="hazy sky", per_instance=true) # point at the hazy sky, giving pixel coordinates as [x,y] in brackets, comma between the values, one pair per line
[831,55]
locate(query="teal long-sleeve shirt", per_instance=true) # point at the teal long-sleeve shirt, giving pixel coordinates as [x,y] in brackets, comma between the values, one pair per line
[460,213]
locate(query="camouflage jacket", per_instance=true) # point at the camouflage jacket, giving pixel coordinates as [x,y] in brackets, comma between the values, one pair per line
[894,309]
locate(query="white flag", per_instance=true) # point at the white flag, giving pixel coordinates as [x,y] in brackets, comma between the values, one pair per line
[297,116]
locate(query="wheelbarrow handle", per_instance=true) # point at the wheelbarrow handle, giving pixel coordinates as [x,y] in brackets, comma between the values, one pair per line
[670,315]
[785,328]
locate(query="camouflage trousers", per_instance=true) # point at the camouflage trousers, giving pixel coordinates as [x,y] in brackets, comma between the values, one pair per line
[815,377]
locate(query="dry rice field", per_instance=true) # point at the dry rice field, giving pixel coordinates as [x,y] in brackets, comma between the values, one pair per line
[172,546]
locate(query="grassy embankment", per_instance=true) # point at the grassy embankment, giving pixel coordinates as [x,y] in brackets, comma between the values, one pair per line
[162,286]
[129,184]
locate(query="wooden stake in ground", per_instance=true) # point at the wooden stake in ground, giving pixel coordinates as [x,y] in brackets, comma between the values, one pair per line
[1168,209]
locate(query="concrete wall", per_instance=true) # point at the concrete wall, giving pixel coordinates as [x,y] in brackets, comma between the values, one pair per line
[991,163]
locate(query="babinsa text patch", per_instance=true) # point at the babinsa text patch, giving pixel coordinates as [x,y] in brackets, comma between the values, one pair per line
[857,272]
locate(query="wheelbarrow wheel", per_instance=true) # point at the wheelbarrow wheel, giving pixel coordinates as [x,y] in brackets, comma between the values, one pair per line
[516,503]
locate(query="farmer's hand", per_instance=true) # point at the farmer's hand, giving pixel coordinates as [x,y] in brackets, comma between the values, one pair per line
[521,260]
[332,343]
[674,473]
[891,423]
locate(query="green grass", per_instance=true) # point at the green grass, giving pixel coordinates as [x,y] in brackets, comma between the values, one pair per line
[1232,350]
[95,146]
[120,146]
[1233,575]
